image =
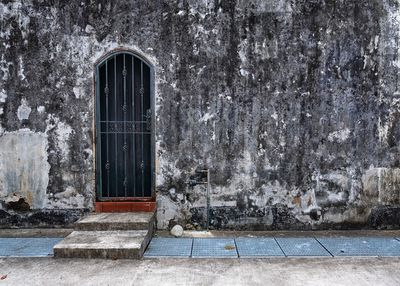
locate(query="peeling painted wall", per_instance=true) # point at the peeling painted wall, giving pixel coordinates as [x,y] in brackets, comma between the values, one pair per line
[294,106]
[24,170]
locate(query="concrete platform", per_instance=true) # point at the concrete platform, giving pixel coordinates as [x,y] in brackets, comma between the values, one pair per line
[108,235]
[104,244]
[116,221]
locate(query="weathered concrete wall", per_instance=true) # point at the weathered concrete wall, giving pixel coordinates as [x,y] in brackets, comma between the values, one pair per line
[293,105]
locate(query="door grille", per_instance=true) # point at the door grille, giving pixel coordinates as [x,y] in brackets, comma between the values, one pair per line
[124,128]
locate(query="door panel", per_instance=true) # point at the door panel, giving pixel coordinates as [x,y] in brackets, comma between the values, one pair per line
[124,128]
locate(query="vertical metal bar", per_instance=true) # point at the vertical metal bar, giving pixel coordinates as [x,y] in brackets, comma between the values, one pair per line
[116,119]
[108,162]
[142,124]
[208,199]
[98,135]
[134,126]
[152,133]
[125,145]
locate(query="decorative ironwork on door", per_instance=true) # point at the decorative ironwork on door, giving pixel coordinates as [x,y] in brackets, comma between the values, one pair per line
[124,128]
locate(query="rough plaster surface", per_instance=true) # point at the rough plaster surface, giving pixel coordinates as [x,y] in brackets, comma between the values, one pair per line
[293,105]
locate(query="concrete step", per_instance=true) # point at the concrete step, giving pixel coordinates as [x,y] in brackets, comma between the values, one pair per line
[115,244]
[116,221]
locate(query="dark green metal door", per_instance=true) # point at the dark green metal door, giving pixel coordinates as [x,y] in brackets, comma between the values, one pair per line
[124,128]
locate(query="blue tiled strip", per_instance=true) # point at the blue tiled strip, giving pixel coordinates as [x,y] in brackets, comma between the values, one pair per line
[258,247]
[246,247]
[302,246]
[214,247]
[362,246]
[169,247]
[28,247]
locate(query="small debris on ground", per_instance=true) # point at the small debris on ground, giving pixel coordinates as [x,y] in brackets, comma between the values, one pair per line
[177,231]
[3,277]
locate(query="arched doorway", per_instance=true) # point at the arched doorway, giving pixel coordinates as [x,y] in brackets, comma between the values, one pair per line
[124,128]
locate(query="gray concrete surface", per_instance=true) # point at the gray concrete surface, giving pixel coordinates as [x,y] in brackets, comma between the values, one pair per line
[291,272]
[116,221]
[108,235]
[128,244]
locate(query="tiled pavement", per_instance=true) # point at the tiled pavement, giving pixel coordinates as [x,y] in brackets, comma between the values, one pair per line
[170,247]
[302,246]
[245,247]
[261,247]
[361,246]
[27,247]
[214,247]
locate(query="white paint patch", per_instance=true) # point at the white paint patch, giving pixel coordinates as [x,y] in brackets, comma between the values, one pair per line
[24,110]
[383,130]
[243,50]
[63,132]
[21,70]
[383,127]
[336,197]
[69,198]
[89,29]
[195,12]
[201,70]
[166,210]
[376,41]
[244,72]
[272,6]
[216,203]
[275,116]
[339,136]
[213,132]
[78,91]
[3,96]
[40,109]
[206,117]
[4,67]
[267,49]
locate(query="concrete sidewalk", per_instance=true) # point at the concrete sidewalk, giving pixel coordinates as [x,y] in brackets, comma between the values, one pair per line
[276,271]
[291,271]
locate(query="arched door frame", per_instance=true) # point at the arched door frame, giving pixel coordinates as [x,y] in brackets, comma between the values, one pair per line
[97,141]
